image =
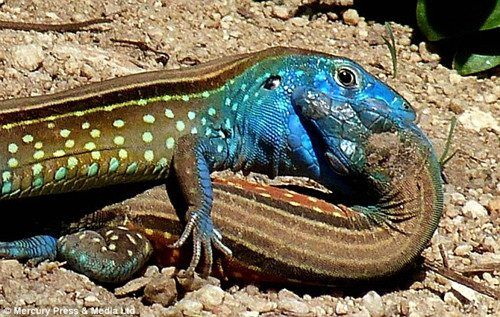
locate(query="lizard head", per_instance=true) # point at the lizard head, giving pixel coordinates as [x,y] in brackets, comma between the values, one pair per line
[341,105]
[342,81]
[321,106]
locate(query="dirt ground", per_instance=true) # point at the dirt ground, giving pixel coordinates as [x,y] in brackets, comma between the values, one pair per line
[34,63]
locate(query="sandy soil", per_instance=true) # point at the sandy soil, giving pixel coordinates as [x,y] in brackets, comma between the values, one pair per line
[34,63]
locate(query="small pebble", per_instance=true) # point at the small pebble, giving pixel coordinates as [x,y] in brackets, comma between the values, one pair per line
[151,271]
[373,303]
[457,198]
[210,296]
[28,56]
[362,313]
[490,98]
[90,301]
[168,271]
[341,308]
[475,120]
[299,21]
[473,209]
[463,250]
[457,106]
[132,286]
[351,17]
[161,290]
[11,268]
[494,206]
[455,78]
[189,307]
[490,244]
[293,306]
[281,12]
[465,291]
[451,299]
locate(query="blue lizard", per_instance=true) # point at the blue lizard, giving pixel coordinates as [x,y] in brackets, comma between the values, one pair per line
[255,121]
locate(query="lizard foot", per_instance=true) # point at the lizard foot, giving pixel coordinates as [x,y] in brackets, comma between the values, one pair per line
[204,236]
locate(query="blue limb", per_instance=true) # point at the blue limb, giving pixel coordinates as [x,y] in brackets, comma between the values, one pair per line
[110,255]
[38,248]
[191,195]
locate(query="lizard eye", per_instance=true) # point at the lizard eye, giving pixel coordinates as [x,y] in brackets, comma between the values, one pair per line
[346,77]
[272,82]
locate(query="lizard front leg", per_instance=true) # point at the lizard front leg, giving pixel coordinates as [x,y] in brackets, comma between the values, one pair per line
[190,190]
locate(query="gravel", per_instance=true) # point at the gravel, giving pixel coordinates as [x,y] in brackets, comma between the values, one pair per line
[33,63]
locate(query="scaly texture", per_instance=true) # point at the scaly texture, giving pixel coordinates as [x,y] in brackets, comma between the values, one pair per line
[280,111]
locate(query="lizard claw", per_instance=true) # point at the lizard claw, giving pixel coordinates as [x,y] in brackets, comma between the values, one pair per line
[204,235]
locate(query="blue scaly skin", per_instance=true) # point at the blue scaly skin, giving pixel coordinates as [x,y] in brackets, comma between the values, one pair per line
[255,121]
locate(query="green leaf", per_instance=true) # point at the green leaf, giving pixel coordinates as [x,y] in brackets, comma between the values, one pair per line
[449,18]
[493,21]
[424,24]
[469,63]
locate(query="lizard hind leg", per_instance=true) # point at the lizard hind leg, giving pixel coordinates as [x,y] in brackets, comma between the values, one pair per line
[109,255]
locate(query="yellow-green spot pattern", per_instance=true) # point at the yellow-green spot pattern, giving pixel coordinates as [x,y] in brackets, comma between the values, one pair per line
[72,162]
[60,173]
[132,168]
[93,169]
[12,148]
[147,137]
[114,163]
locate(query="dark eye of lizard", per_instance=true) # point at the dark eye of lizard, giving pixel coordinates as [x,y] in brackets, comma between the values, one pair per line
[346,77]
[272,82]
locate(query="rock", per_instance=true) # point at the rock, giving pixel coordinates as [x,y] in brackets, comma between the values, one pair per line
[28,56]
[451,299]
[363,313]
[260,305]
[463,250]
[132,286]
[90,301]
[494,206]
[475,119]
[11,268]
[168,271]
[152,270]
[465,291]
[299,21]
[341,308]
[293,306]
[455,78]
[281,12]
[193,283]
[373,303]
[490,244]
[351,17]
[209,296]
[332,16]
[189,307]
[473,209]
[161,290]
[496,91]
[284,294]
[457,198]
[457,106]
[490,98]
[425,54]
